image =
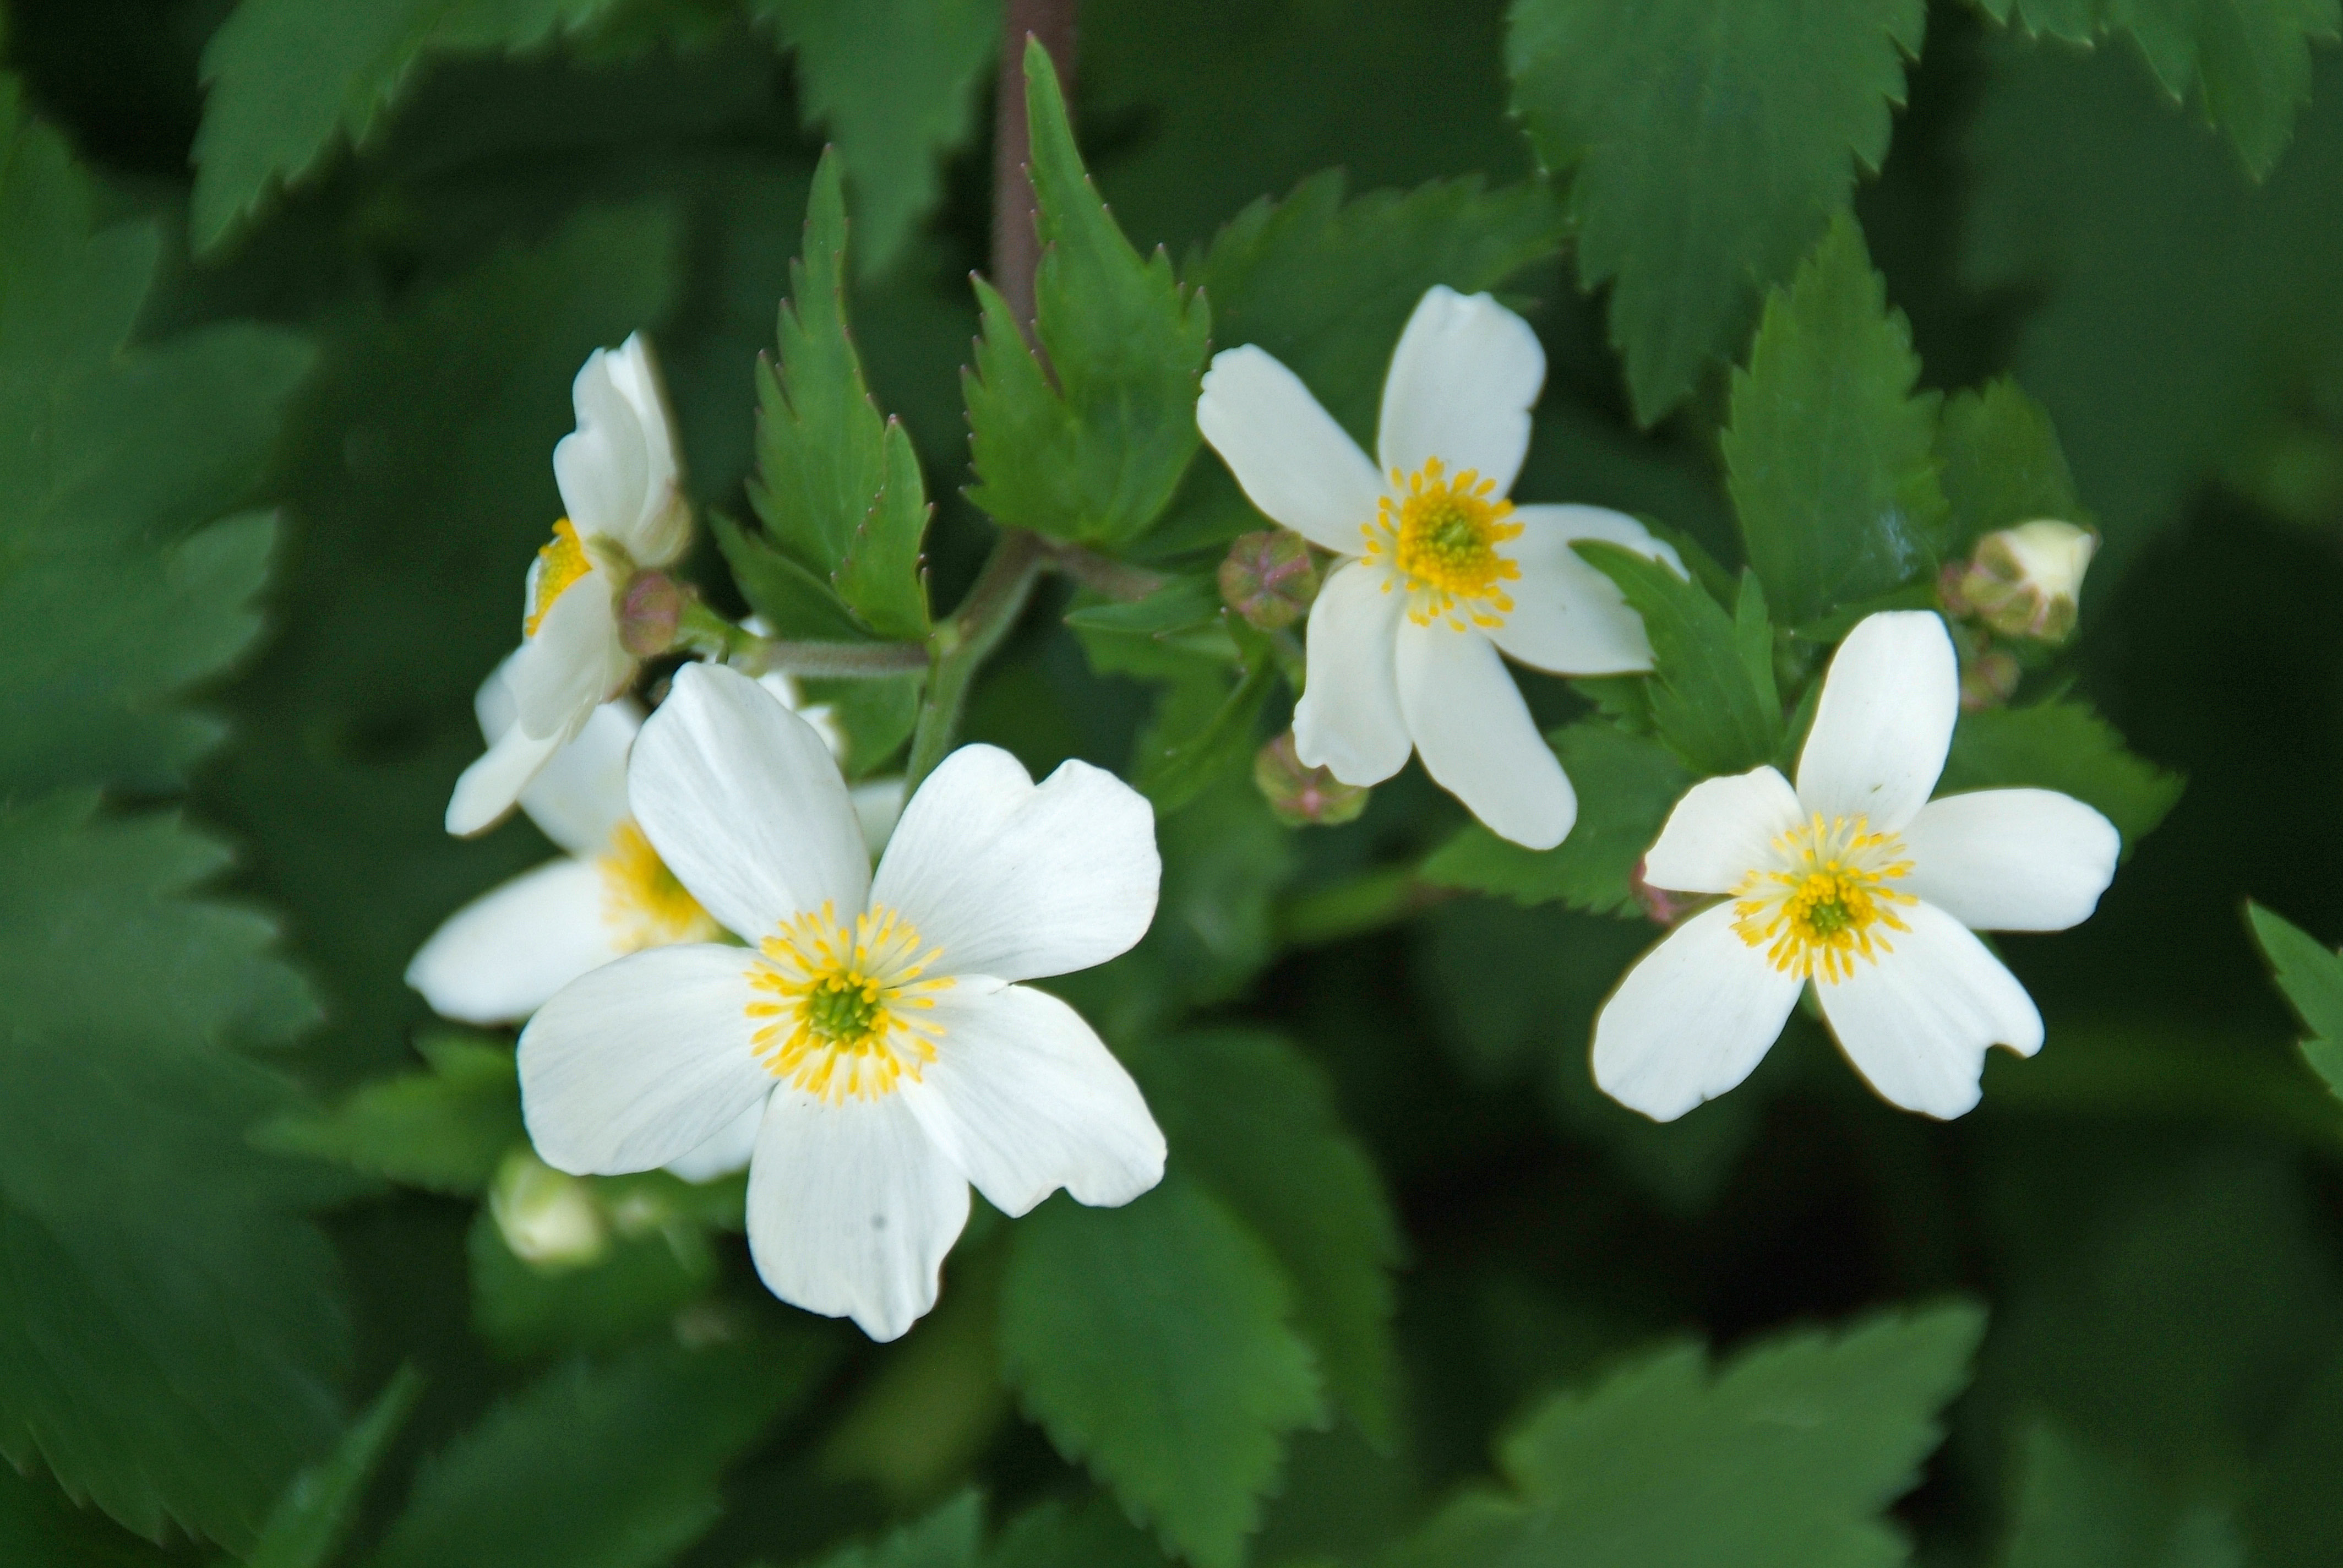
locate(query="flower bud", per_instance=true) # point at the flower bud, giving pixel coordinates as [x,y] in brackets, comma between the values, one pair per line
[549,1219]
[1301,795]
[1990,679]
[649,614]
[2025,581]
[1269,577]
[1661,906]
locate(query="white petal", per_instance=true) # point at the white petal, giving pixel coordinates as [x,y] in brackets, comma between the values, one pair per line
[641,1060]
[743,802]
[878,806]
[1916,1022]
[851,1209]
[1567,616]
[1885,721]
[2012,860]
[617,469]
[1016,881]
[580,797]
[1476,738]
[1460,388]
[1028,1100]
[492,784]
[1290,457]
[782,684]
[662,527]
[1722,830]
[726,1152]
[1691,1019]
[1348,719]
[574,664]
[502,956]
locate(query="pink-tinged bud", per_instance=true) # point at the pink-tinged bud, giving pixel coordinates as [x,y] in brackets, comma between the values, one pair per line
[1269,577]
[649,614]
[1990,679]
[2025,581]
[1301,795]
[1661,906]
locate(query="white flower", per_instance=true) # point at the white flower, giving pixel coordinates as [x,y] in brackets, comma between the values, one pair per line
[618,481]
[1441,570]
[875,1031]
[1857,881]
[502,956]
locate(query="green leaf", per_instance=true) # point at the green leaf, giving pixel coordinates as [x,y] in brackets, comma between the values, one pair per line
[1156,1344]
[1055,1535]
[875,715]
[443,1131]
[39,1529]
[2246,66]
[1705,704]
[1279,1156]
[2081,1509]
[1178,631]
[896,83]
[309,1522]
[1706,142]
[2001,464]
[598,1465]
[838,487]
[1626,786]
[1093,458]
[2066,746]
[1184,753]
[1830,455]
[290,80]
[1786,1455]
[638,1286]
[1225,858]
[2311,975]
[1326,285]
[948,1538]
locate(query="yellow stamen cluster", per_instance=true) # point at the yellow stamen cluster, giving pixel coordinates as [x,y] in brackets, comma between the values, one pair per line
[846,1004]
[644,901]
[1826,903]
[1442,538]
[560,561]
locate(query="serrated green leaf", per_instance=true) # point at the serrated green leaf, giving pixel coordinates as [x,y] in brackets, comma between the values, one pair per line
[637,1286]
[291,80]
[2080,1509]
[2310,973]
[1831,454]
[1626,786]
[2066,746]
[948,1538]
[1704,703]
[2246,66]
[1094,458]
[443,1131]
[895,83]
[310,1521]
[1784,1457]
[1706,141]
[1280,1158]
[2001,464]
[598,1465]
[1326,285]
[39,1529]
[1155,1343]
[837,486]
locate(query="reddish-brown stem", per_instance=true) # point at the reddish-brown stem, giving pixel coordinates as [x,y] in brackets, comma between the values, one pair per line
[1016,250]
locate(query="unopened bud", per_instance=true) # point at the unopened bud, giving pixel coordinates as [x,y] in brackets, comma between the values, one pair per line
[2025,581]
[1661,906]
[649,614]
[549,1219]
[1301,795]
[1990,679]
[1269,577]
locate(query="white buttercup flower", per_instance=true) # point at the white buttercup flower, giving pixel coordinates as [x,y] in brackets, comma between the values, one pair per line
[1856,882]
[875,1031]
[620,483]
[1441,570]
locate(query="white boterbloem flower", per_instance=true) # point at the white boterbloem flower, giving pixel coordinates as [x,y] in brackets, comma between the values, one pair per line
[875,1028]
[1441,570]
[502,956]
[1856,882]
[620,485]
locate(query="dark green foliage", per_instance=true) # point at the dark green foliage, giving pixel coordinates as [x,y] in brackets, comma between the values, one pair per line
[2078,1509]
[2066,746]
[310,1521]
[1715,708]
[2001,465]
[2311,975]
[443,1131]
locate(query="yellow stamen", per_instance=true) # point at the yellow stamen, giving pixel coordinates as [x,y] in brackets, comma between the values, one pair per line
[644,901]
[559,562]
[846,1004]
[1441,538]
[1826,903]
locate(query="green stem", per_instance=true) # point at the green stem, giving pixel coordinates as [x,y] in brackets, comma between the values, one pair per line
[1369,902]
[961,644]
[700,631]
[1102,574]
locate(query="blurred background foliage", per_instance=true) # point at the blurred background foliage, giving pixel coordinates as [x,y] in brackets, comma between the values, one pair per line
[1431,1295]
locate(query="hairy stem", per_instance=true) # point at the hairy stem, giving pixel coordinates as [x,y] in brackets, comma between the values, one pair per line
[703,633]
[963,643]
